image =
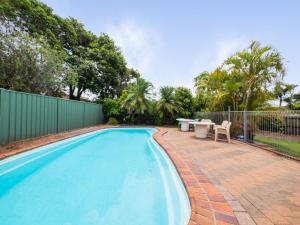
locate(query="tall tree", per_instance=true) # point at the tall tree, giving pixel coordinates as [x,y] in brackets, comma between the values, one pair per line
[282,90]
[166,104]
[91,63]
[137,99]
[38,19]
[184,102]
[29,66]
[259,65]
[113,74]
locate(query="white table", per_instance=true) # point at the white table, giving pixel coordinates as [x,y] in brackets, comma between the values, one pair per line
[201,128]
[184,123]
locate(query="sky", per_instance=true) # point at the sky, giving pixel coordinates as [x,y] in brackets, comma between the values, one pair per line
[171,41]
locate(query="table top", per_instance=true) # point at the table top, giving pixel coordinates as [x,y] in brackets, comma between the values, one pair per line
[201,123]
[185,120]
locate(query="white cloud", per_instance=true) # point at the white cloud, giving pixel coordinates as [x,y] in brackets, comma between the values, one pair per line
[144,48]
[226,48]
[139,43]
[213,55]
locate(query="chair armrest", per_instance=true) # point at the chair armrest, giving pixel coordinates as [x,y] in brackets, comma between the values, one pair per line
[220,128]
[217,126]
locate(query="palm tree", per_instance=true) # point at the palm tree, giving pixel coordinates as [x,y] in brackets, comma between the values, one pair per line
[281,90]
[166,104]
[137,100]
[258,65]
[212,86]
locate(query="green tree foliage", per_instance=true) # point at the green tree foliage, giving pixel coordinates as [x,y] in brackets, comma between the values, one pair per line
[166,104]
[296,101]
[184,102]
[284,91]
[243,82]
[113,75]
[38,19]
[259,66]
[91,63]
[112,108]
[137,101]
[27,65]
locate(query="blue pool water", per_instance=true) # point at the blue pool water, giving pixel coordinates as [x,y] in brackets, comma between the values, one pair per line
[108,177]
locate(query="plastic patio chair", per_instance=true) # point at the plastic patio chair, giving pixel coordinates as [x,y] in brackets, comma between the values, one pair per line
[224,128]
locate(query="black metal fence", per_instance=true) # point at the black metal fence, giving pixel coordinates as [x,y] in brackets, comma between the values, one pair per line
[280,129]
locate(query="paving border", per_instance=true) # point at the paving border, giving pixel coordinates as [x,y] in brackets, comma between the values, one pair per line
[208,204]
[29,144]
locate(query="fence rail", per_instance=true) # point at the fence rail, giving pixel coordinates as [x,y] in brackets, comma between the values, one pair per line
[24,115]
[280,129]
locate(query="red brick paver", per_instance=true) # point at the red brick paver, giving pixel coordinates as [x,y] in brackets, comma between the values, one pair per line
[261,187]
[207,203]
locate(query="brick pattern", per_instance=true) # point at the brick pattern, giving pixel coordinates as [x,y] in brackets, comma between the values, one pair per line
[207,203]
[261,187]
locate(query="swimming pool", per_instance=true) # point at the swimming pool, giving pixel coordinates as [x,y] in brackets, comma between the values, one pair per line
[117,176]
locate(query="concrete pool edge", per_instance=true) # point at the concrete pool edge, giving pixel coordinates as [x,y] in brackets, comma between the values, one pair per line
[208,205]
[25,145]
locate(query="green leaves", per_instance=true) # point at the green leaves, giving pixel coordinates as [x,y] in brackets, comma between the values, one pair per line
[27,65]
[90,63]
[243,80]
[139,95]
[166,104]
[184,102]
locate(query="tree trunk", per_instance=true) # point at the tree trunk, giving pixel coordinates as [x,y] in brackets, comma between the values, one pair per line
[280,102]
[78,96]
[247,98]
[71,92]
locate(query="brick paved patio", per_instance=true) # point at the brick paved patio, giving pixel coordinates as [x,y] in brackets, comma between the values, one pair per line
[254,181]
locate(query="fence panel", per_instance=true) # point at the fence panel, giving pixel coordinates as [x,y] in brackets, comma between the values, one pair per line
[24,115]
[70,115]
[280,129]
[93,113]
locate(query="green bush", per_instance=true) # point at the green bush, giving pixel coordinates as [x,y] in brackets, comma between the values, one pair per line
[296,107]
[270,124]
[111,107]
[184,102]
[112,121]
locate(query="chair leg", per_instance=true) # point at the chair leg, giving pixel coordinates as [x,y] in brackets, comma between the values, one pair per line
[228,137]
[216,135]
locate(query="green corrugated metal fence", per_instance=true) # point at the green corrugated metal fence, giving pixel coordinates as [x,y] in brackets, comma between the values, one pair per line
[24,115]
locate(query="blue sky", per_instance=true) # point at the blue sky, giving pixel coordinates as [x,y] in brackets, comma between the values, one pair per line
[170,42]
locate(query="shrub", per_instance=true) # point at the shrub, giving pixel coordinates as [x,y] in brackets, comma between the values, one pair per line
[112,121]
[270,124]
[184,102]
[111,108]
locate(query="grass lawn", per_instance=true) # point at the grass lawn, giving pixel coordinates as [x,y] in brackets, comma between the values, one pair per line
[288,147]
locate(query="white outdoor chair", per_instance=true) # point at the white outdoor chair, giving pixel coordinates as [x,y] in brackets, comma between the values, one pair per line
[224,128]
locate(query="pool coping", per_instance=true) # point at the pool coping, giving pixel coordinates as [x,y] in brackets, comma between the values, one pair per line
[208,205]
[25,145]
